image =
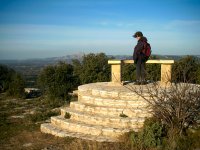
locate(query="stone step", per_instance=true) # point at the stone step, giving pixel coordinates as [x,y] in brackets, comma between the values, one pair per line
[96,114]
[109,111]
[51,129]
[107,121]
[80,127]
[105,90]
[109,102]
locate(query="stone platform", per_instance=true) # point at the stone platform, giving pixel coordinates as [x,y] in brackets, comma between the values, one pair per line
[103,112]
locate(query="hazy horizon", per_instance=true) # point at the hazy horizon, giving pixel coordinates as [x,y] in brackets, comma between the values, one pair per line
[81,54]
[42,29]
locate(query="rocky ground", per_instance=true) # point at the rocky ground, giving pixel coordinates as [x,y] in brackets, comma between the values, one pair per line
[20,121]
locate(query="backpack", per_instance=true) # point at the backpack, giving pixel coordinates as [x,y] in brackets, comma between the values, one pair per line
[147,50]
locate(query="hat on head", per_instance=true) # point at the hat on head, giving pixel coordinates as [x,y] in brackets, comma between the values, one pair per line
[138,33]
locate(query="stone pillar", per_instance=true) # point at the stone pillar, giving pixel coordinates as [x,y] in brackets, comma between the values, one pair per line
[115,71]
[166,70]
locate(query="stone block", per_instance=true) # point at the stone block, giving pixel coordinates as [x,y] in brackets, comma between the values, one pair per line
[95,92]
[109,94]
[109,132]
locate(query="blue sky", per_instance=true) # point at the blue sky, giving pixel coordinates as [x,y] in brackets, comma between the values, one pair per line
[51,28]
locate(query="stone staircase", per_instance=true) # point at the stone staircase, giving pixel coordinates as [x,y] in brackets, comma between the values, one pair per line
[96,115]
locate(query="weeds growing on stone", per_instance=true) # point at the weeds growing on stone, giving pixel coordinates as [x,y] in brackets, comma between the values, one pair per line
[67,115]
[41,116]
[123,115]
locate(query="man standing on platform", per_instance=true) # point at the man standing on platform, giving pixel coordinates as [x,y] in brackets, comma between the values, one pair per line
[139,58]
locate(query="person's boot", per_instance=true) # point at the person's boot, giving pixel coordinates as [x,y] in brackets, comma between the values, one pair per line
[144,82]
[137,82]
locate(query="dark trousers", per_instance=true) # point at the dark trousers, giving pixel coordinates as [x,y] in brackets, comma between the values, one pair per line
[140,70]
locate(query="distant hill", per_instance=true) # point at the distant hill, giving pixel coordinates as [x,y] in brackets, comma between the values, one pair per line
[42,61]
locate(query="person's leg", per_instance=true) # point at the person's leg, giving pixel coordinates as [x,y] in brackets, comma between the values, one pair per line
[143,72]
[138,71]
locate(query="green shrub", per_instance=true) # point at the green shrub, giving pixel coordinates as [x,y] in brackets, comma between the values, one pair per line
[67,115]
[16,86]
[42,116]
[150,136]
[123,115]
[194,136]
[55,102]
[11,82]
[190,141]
[92,68]
[57,81]
[177,143]
[6,75]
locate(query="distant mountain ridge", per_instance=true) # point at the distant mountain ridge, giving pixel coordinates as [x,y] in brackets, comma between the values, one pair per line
[43,61]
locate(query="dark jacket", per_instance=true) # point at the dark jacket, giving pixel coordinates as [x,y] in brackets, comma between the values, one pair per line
[137,54]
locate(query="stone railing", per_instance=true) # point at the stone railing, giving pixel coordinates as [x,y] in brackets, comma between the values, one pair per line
[166,69]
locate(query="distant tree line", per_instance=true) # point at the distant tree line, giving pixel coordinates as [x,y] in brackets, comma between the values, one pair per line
[56,81]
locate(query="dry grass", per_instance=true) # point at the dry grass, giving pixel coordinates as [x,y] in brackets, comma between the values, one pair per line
[20,130]
[17,128]
[33,140]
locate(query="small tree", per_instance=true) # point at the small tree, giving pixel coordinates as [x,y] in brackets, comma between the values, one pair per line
[16,86]
[150,136]
[57,81]
[6,75]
